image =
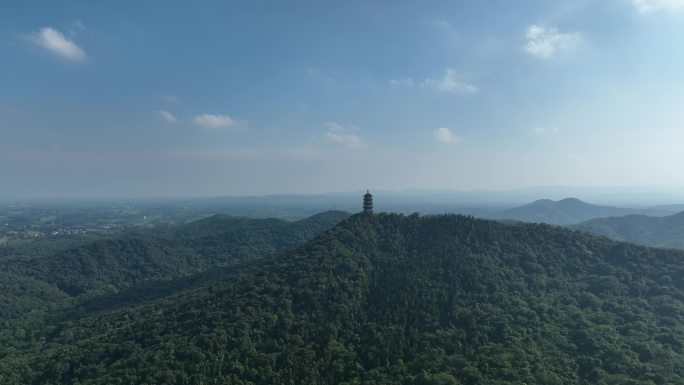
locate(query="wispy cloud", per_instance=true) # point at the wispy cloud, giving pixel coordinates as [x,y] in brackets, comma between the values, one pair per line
[441,24]
[445,135]
[79,25]
[343,135]
[167,117]
[75,28]
[347,140]
[56,43]
[446,28]
[449,83]
[320,75]
[169,98]
[544,130]
[336,127]
[543,42]
[217,121]
[646,6]
[403,82]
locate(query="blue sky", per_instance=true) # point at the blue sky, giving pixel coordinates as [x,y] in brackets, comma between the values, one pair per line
[164,98]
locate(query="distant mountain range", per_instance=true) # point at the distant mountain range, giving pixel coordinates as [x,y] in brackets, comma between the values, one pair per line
[563,212]
[665,231]
[617,196]
[648,227]
[482,203]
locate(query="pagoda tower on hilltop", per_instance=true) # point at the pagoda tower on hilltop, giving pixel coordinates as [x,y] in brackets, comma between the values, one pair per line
[368,203]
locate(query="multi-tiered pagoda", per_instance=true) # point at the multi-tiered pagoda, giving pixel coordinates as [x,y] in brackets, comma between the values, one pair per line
[368,203]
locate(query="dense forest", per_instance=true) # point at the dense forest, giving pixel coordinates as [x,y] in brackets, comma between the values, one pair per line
[382,299]
[51,274]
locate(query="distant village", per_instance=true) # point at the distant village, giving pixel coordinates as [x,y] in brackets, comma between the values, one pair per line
[33,223]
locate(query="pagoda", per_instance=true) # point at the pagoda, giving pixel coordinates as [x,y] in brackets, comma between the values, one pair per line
[367,203]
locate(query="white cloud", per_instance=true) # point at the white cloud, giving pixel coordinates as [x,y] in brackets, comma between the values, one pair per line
[445,135]
[167,116]
[544,130]
[343,135]
[545,42]
[216,121]
[657,5]
[449,83]
[55,42]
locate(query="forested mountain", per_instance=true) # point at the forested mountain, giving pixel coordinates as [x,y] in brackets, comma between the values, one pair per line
[110,265]
[563,212]
[388,299]
[665,231]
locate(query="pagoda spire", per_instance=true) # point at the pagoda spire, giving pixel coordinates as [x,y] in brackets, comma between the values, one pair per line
[368,203]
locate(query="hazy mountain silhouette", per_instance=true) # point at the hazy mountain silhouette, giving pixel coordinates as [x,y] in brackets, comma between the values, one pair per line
[562,212]
[665,231]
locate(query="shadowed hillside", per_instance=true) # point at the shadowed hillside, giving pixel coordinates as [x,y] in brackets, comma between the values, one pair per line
[665,231]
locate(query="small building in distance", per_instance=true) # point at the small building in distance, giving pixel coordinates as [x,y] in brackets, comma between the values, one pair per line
[368,203]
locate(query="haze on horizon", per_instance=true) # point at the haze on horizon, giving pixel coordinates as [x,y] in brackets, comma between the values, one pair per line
[169,98]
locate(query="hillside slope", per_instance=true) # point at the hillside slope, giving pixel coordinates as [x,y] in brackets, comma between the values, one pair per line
[665,231]
[563,212]
[110,265]
[390,299]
